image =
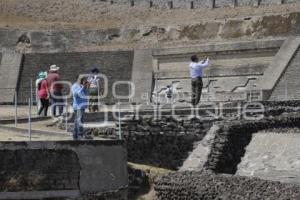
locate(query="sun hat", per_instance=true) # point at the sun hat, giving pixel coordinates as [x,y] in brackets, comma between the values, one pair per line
[54,68]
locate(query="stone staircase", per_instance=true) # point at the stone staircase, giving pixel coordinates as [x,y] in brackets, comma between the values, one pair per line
[115,65]
[281,81]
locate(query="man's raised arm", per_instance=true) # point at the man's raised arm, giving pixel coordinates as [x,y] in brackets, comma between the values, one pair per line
[203,64]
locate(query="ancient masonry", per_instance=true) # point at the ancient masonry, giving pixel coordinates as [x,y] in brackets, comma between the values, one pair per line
[191,4]
[216,151]
[40,170]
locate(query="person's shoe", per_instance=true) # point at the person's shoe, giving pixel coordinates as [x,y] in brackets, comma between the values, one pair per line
[80,137]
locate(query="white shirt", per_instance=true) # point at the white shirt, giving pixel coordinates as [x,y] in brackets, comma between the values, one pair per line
[93,81]
[196,69]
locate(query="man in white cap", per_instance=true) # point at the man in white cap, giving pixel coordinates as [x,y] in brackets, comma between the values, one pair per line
[55,88]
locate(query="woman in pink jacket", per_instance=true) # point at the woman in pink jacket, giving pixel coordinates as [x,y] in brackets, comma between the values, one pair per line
[43,94]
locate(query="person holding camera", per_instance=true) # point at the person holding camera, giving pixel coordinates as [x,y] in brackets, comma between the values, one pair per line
[80,104]
[196,73]
[94,90]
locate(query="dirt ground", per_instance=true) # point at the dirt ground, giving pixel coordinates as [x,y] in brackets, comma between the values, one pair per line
[45,125]
[8,112]
[37,14]
[152,173]
[13,136]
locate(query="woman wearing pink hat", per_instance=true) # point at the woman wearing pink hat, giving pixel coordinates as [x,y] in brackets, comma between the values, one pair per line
[43,94]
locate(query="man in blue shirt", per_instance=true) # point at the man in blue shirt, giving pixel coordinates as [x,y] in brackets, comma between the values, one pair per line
[196,73]
[80,103]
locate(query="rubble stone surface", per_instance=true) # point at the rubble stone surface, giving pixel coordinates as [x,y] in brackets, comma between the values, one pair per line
[204,185]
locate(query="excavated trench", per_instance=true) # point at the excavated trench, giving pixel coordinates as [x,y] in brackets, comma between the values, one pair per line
[263,154]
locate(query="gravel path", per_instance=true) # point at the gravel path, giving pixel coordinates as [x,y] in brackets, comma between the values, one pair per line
[8,112]
[12,136]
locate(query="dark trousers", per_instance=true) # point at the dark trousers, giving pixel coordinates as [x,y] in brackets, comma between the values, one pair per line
[78,124]
[197,86]
[57,102]
[93,101]
[44,106]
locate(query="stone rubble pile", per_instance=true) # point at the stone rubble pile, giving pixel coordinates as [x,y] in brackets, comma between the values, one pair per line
[288,103]
[165,125]
[204,185]
[276,108]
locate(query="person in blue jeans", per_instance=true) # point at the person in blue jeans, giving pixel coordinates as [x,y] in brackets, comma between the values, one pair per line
[80,103]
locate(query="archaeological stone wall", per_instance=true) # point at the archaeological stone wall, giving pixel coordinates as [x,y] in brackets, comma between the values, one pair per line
[116,66]
[76,40]
[163,143]
[227,149]
[206,185]
[231,139]
[282,103]
[42,9]
[288,84]
[191,4]
[63,169]
[47,160]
